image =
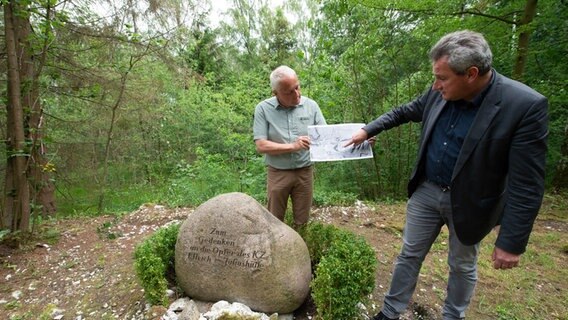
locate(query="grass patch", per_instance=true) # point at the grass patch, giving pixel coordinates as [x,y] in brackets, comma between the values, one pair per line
[535,290]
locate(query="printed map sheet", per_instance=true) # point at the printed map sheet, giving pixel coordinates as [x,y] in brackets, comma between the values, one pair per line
[326,143]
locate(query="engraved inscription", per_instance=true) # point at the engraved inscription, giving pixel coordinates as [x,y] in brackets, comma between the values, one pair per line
[220,247]
[196,256]
[212,240]
[218,232]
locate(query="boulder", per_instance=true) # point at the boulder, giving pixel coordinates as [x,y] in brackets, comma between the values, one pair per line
[231,248]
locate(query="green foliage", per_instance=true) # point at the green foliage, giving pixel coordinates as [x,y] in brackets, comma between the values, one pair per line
[183,127]
[4,233]
[205,178]
[333,197]
[344,272]
[210,175]
[12,305]
[121,198]
[154,258]
[318,238]
[104,230]
[50,235]
[504,313]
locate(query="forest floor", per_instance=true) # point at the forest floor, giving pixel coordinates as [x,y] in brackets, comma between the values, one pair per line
[83,268]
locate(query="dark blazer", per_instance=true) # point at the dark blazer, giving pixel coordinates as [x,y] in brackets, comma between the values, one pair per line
[499,173]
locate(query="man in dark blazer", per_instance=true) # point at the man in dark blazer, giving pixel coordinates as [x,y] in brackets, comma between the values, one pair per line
[480,164]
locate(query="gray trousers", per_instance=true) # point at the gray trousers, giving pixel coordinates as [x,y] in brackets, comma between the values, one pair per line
[428,209]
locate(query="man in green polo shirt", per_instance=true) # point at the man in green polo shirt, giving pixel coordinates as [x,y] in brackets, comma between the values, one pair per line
[281,134]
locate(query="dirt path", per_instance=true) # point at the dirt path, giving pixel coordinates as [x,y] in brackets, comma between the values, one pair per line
[87,274]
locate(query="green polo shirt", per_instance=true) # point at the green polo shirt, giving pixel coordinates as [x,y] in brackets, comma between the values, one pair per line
[284,125]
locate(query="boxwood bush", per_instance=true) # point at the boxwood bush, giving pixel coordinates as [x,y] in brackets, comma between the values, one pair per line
[154,263]
[343,263]
[345,269]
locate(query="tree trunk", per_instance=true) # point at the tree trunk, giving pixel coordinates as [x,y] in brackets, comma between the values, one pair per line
[17,189]
[110,132]
[523,45]
[39,167]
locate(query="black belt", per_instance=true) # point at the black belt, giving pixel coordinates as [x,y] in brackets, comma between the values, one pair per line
[444,188]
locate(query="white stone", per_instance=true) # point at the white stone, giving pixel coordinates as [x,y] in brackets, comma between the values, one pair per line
[17,294]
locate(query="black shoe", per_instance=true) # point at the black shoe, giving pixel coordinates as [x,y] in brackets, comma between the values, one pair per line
[381,316]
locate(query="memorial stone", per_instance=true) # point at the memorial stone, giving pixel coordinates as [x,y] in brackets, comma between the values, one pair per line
[231,248]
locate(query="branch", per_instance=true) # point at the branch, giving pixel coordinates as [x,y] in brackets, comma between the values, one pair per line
[433,12]
[481,14]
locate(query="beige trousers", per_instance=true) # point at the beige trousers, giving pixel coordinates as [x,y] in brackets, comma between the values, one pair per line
[296,184]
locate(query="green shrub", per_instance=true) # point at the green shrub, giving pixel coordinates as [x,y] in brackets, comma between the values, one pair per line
[345,274]
[318,238]
[154,260]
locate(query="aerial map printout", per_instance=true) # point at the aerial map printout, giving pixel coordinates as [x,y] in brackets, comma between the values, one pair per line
[327,143]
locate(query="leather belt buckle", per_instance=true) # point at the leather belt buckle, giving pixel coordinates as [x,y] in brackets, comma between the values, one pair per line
[443,188]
